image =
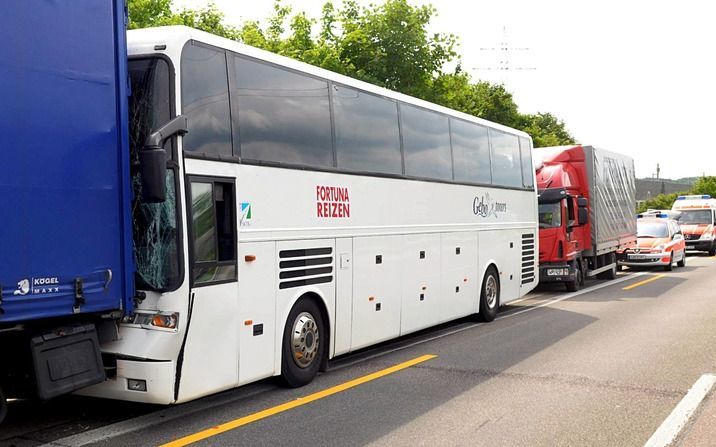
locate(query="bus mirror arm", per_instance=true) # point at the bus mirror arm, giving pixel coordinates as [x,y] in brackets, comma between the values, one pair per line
[153,160]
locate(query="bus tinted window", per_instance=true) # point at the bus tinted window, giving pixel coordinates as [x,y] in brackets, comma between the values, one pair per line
[527,167]
[367,135]
[283,116]
[426,141]
[506,166]
[471,151]
[205,101]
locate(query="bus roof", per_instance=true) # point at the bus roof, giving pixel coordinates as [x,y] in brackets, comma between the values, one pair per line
[148,41]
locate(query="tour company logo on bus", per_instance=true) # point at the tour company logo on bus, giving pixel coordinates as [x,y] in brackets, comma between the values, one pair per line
[332,202]
[486,206]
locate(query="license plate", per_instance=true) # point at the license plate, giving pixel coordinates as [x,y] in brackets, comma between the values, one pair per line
[637,256]
[557,272]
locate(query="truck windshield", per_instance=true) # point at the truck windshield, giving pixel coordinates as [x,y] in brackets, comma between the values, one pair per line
[695,217]
[652,229]
[156,237]
[550,215]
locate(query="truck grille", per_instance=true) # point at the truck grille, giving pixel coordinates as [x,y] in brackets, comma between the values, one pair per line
[528,258]
[304,267]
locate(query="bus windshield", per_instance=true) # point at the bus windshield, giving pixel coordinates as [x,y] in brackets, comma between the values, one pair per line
[693,217]
[156,248]
[550,215]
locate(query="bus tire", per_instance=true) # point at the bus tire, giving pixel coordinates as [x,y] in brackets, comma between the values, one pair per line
[490,295]
[3,406]
[304,343]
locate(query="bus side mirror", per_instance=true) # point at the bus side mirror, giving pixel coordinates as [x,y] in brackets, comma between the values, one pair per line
[153,160]
[582,216]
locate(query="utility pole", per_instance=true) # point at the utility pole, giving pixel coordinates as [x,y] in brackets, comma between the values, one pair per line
[504,55]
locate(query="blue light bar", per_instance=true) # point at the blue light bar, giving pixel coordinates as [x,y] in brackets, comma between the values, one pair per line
[705,196]
[681,198]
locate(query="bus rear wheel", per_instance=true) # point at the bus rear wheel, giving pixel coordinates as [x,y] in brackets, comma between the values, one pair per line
[490,295]
[304,343]
[3,406]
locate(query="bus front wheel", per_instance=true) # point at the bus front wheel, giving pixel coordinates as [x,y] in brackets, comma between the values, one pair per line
[490,295]
[304,343]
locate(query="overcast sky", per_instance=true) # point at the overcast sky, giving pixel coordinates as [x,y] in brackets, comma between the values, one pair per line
[637,77]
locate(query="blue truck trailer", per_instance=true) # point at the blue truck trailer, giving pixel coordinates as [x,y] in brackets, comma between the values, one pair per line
[66,263]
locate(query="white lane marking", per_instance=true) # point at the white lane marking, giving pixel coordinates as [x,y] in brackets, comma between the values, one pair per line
[672,426]
[152,419]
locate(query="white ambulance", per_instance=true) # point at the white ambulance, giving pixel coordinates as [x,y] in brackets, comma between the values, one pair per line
[698,214]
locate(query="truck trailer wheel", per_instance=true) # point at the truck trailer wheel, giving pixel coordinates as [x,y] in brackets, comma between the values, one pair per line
[3,406]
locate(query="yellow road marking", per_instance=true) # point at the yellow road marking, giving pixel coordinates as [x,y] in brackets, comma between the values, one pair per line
[216,430]
[641,283]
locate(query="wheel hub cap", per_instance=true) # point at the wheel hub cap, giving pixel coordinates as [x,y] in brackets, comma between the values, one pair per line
[304,340]
[491,291]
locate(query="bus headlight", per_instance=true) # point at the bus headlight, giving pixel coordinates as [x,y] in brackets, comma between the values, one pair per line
[149,320]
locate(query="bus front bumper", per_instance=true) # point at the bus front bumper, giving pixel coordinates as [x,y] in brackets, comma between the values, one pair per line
[147,381]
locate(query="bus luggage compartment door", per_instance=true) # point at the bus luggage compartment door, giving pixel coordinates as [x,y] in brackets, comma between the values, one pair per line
[66,360]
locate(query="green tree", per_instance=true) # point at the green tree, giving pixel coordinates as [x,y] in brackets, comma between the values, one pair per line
[389,45]
[660,202]
[147,13]
[546,130]
[705,185]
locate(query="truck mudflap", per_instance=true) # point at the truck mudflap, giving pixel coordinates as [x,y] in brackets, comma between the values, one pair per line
[66,360]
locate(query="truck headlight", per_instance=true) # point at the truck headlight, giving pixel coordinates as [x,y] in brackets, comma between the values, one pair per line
[164,320]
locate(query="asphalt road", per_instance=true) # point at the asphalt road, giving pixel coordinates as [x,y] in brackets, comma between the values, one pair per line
[602,367]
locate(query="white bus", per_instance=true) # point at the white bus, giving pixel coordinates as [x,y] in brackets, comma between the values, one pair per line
[308,215]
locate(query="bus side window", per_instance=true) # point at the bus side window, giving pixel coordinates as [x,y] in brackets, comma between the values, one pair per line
[213,222]
[205,101]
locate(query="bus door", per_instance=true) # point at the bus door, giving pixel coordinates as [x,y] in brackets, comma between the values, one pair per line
[211,354]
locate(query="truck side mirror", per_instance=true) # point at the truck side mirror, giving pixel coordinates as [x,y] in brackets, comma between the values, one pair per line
[582,215]
[153,160]
[582,202]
